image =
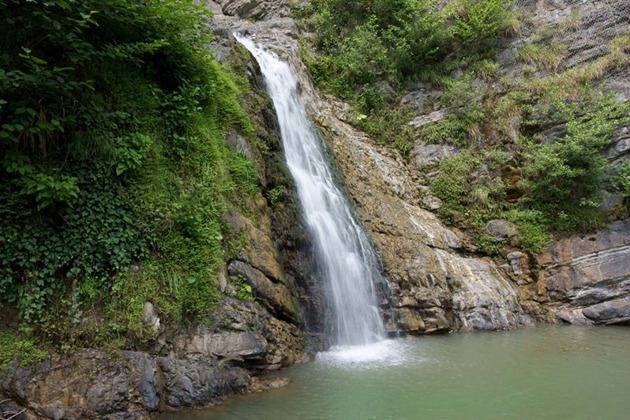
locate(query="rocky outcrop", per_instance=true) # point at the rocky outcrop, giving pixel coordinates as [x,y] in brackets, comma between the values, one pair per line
[435,287]
[91,385]
[244,334]
[200,366]
[588,277]
[254,9]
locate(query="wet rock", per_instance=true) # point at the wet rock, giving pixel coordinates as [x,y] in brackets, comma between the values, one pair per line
[265,384]
[195,383]
[574,316]
[90,385]
[276,296]
[260,252]
[410,321]
[108,394]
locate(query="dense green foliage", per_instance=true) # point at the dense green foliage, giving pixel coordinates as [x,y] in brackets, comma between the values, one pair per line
[362,43]
[367,51]
[562,180]
[568,174]
[114,174]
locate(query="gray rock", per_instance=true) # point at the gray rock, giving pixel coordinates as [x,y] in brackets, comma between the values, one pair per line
[574,316]
[433,117]
[507,56]
[429,154]
[150,318]
[416,98]
[580,262]
[591,296]
[108,394]
[232,345]
[145,382]
[194,383]
[609,201]
[237,143]
[500,230]
[276,296]
[385,88]
[609,312]
[515,262]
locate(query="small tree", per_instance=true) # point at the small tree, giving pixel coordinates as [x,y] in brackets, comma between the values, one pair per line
[569,172]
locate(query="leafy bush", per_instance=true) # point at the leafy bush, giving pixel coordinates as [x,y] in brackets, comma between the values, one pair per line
[533,228]
[113,156]
[363,42]
[568,173]
[476,21]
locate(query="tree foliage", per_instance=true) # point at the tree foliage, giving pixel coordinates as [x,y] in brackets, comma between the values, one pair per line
[113,114]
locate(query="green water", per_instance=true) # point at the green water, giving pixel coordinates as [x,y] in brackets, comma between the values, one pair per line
[548,372]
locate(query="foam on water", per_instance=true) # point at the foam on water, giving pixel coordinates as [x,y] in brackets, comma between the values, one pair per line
[368,356]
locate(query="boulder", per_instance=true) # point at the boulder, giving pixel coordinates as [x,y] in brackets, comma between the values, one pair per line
[611,312]
[429,154]
[500,230]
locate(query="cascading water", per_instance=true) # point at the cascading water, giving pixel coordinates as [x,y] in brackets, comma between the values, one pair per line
[344,254]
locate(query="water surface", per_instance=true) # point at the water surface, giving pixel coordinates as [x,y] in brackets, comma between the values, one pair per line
[548,372]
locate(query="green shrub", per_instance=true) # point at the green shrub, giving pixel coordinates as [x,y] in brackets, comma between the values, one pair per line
[568,173]
[476,21]
[391,127]
[533,228]
[395,40]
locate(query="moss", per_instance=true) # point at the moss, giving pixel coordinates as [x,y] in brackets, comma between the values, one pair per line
[25,349]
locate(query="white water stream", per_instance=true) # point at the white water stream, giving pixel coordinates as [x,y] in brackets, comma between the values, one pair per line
[345,257]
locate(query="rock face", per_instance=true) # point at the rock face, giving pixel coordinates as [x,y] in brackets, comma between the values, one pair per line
[435,287]
[588,277]
[90,385]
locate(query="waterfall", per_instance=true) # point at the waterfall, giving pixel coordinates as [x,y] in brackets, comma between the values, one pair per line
[344,255]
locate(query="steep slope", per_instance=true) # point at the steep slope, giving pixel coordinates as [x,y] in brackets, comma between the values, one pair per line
[441,280]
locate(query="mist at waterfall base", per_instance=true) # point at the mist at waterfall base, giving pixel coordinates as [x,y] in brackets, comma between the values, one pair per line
[345,259]
[553,372]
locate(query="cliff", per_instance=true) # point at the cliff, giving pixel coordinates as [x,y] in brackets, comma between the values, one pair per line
[446,273]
